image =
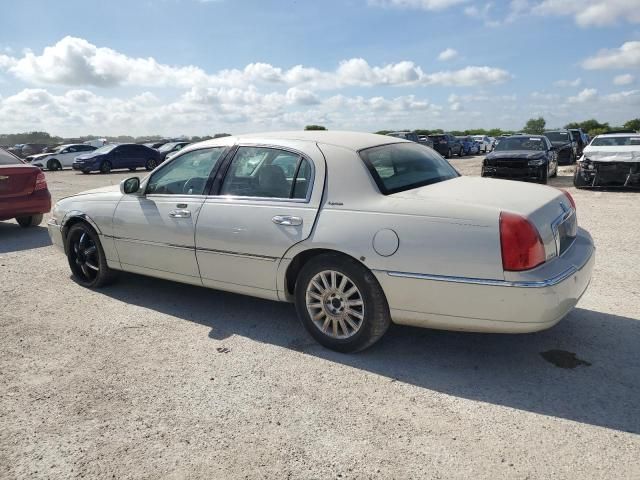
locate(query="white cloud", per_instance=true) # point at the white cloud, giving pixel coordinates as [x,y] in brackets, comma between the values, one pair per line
[586,95]
[624,79]
[416,4]
[448,54]
[76,62]
[568,83]
[627,56]
[592,12]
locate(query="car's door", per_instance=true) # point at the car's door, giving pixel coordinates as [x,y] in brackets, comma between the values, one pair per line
[154,229]
[140,156]
[67,155]
[266,203]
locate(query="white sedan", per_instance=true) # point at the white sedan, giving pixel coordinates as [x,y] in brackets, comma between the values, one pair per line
[484,142]
[61,157]
[610,160]
[358,230]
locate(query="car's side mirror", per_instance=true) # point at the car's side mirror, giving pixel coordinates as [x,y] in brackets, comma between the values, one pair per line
[130,186]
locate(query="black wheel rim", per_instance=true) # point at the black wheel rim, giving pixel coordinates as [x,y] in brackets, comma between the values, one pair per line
[83,256]
[152,164]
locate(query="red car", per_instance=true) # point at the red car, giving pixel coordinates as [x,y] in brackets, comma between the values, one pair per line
[23,191]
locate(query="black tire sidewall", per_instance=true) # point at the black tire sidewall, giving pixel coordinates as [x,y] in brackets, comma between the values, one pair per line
[105,274]
[377,318]
[151,164]
[105,167]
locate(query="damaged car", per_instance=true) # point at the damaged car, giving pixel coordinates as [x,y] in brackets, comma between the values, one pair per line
[610,160]
[522,157]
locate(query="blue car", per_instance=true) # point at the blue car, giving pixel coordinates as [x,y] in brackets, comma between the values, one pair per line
[469,146]
[112,157]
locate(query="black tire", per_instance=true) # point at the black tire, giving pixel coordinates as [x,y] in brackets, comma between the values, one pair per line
[544,177]
[375,310]
[461,153]
[132,169]
[30,221]
[105,167]
[151,164]
[89,269]
[85,172]
[54,165]
[578,180]
[448,155]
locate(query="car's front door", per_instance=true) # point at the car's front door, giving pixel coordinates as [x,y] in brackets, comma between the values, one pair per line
[267,202]
[67,156]
[154,230]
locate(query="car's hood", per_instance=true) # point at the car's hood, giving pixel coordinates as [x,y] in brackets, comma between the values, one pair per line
[476,192]
[39,155]
[87,156]
[627,153]
[106,192]
[515,154]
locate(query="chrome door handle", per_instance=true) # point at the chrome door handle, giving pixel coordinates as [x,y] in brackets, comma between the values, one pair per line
[180,214]
[287,220]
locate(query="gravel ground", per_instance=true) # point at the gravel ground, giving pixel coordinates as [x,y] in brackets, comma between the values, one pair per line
[152,379]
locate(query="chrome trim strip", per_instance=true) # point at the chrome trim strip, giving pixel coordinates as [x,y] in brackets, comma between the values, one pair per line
[154,244]
[238,254]
[490,282]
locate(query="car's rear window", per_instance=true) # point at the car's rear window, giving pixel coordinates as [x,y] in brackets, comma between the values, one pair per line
[403,166]
[437,137]
[7,159]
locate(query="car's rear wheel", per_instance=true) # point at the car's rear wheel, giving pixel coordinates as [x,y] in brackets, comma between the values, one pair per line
[341,303]
[30,221]
[105,167]
[461,154]
[54,164]
[86,257]
[151,164]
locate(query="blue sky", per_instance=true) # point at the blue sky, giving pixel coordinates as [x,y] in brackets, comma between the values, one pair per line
[196,67]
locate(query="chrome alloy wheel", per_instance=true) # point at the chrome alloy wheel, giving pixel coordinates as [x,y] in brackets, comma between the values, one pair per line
[84,256]
[335,304]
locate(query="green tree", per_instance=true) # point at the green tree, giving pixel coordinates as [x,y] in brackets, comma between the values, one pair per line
[315,127]
[633,125]
[535,126]
[591,126]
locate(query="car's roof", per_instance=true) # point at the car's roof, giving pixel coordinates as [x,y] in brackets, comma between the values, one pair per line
[350,140]
[613,135]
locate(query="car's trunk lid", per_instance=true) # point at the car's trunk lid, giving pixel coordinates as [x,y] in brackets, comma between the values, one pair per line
[17,180]
[547,208]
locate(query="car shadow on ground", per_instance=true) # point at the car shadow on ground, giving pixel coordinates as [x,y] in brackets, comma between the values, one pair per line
[600,386]
[14,238]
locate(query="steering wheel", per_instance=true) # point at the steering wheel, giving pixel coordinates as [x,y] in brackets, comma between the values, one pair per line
[194,183]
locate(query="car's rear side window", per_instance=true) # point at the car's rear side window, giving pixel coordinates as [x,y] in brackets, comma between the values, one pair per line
[403,166]
[7,159]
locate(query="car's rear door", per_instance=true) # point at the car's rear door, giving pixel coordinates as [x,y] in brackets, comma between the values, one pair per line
[17,182]
[266,203]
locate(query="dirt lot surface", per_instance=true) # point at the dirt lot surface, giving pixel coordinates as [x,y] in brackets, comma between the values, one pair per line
[152,379]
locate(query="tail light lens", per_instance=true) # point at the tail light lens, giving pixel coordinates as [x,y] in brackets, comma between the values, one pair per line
[520,242]
[569,197]
[41,182]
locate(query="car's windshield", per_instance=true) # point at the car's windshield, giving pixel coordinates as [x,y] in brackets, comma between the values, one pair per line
[403,166]
[478,138]
[167,147]
[621,141]
[7,159]
[521,143]
[105,149]
[557,136]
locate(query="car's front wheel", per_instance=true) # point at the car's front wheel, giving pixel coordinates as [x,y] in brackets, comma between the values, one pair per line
[30,221]
[151,164]
[54,165]
[105,167]
[86,257]
[341,303]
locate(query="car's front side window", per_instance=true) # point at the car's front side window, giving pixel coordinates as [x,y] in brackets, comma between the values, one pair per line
[267,173]
[186,174]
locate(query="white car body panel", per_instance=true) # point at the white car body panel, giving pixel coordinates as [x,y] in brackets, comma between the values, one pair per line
[448,246]
[624,153]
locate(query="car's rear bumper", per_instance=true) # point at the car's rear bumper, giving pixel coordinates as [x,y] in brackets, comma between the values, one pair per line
[535,302]
[55,233]
[34,204]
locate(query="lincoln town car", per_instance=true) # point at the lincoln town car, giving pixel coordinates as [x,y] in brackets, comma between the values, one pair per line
[357,230]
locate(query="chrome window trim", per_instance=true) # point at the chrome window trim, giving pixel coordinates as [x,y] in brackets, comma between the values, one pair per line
[549,282]
[258,199]
[303,155]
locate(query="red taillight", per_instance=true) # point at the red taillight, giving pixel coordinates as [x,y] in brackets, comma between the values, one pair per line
[41,182]
[569,197]
[520,242]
